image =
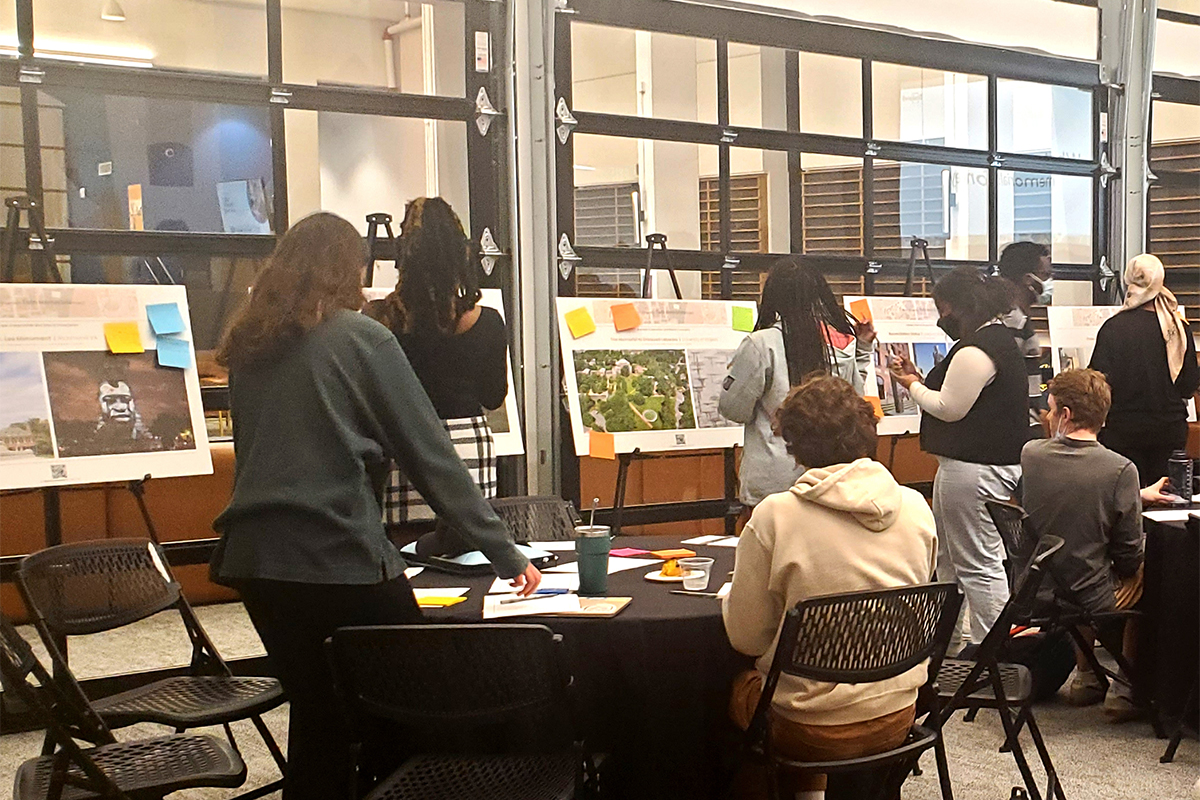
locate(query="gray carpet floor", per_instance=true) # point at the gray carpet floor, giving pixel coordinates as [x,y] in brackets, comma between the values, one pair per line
[1096,760]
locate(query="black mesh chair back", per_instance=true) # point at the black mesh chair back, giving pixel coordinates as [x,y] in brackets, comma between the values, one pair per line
[59,704]
[537,518]
[863,637]
[89,587]
[451,677]
[1013,524]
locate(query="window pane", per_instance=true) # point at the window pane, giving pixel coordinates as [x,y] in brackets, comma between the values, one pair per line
[1176,123]
[643,74]
[217,286]
[1175,48]
[1054,210]
[597,280]
[354,165]
[177,34]
[757,87]
[136,163]
[418,49]
[759,202]
[831,95]
[929,106]
[833,204]
[12,142]
[1045,120]
[1175,237]
[944,205]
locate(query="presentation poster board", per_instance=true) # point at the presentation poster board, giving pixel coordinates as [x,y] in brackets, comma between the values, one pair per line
[649,372]
[1073,332]
[86,391]
[904,326]
[505,421]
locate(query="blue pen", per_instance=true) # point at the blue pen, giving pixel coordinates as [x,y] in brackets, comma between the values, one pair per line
[537,595]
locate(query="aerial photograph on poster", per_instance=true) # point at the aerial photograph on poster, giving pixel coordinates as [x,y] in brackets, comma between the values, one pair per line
[634,390]
[24,415]
[105,404]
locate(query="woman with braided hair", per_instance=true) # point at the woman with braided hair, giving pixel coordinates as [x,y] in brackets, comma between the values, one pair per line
[458,348]
[801,329]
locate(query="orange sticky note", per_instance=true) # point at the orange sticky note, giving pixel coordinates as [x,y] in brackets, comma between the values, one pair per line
[681,552]
[580,322]
[625,317]
[602,445]
[875,404]
[123,337]
[861,309]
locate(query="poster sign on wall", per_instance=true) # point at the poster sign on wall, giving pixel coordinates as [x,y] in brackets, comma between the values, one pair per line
[649,372]
[504,421]
[91,391]
[904,326]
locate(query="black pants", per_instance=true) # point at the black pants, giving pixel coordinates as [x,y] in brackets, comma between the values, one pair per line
[1148,450]
[294,620]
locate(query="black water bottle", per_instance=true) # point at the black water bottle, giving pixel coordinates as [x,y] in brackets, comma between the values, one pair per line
[1179,475]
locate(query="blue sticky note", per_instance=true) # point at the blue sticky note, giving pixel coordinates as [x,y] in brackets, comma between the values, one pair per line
[165,318]
[174,352]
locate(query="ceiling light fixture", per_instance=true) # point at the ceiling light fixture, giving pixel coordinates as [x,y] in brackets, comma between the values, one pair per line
[112,11]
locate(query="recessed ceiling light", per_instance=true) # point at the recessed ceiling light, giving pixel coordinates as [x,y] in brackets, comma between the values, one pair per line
[112,11]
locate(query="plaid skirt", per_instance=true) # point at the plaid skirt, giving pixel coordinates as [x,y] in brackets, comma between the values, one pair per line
[472,440]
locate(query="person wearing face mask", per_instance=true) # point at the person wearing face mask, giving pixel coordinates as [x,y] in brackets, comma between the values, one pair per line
[1077,489]
[975,420]
[1025,267]
[1149,357]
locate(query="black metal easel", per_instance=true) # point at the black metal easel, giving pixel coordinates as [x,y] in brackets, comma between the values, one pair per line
[374,223]
[43,267]
[914,245]
[657,243]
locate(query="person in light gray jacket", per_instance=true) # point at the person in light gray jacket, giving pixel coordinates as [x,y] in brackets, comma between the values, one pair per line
[801,329]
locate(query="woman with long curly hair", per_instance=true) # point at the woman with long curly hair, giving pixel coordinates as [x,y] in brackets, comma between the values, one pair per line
[322,398]
[458,348]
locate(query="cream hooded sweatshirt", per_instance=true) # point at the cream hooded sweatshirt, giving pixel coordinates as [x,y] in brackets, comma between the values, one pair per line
[844,528]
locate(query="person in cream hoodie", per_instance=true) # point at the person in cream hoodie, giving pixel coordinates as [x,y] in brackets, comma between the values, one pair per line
[846,525]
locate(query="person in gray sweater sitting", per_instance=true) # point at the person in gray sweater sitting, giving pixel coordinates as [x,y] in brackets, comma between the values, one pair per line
[1079,490]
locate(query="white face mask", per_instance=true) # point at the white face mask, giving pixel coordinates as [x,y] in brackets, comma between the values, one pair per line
[1047,293]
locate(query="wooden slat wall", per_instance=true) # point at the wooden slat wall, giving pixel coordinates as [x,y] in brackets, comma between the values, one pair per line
[748,218]
[1175,219]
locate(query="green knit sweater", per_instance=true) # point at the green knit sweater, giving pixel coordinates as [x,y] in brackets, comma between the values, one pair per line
[313,429]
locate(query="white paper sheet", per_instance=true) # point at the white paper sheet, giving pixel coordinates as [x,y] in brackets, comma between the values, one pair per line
[474,558]
[413,572]
[725,541]
[725,587]
[494,608]
[553,546]
[1171,515]
[453,591]
[615,564]
[702,539]
[550,580]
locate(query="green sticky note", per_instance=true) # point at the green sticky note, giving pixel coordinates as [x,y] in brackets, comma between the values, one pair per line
[743,319]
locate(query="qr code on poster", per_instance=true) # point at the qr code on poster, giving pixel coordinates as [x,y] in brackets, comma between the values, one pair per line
[58,472]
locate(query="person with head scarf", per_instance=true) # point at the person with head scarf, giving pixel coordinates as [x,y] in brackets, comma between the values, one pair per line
[1147,353]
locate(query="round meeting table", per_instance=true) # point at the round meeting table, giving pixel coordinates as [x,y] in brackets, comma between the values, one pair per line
[652,683]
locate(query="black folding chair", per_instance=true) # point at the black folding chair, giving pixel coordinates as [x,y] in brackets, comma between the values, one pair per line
[538,518]
[1060,614]
[987,683]
[90,587]
[440,683]
[133,770]
[861,637]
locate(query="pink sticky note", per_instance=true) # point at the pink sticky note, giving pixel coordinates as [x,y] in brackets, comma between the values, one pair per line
[625,552]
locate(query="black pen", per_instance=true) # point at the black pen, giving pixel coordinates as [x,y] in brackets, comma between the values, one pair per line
[695,594]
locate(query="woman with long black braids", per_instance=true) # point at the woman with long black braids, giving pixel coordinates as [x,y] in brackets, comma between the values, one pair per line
[801,328]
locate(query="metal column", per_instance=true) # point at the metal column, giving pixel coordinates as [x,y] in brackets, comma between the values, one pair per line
[1126,68]
[536,264]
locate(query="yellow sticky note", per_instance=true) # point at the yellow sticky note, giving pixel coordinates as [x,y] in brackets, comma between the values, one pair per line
[743,319]
[875,404]
[625,317]
[602,445]
[861,309]
[123,337]
[580,322]
[439,602]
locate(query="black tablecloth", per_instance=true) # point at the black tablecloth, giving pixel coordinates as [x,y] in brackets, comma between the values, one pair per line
[653,682]
[1169,638]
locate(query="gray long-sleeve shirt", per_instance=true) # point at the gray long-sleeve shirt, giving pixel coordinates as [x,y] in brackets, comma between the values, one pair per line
[754,388]
[1088,495]
[313,429]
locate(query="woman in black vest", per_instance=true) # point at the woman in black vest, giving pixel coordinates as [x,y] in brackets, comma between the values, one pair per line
[975,420]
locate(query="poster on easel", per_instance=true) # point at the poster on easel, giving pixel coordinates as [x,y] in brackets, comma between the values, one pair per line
[504,421]
[904,326]
[99,384]
[649,372]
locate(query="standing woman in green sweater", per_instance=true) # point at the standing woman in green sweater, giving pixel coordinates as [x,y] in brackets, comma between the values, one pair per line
[322,397]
